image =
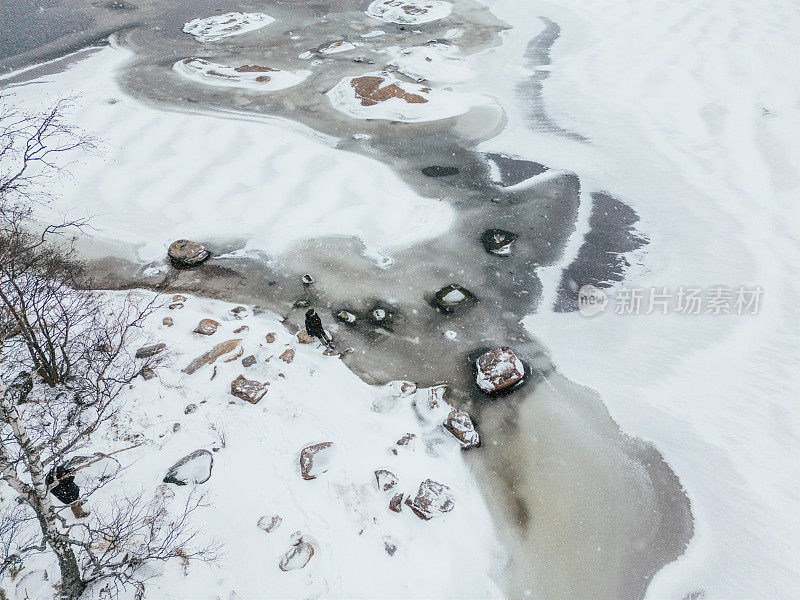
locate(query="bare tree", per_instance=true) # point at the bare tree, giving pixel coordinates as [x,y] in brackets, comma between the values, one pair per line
[67,355]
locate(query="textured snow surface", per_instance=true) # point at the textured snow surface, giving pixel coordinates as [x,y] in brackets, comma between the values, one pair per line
[435,62]
[214,28]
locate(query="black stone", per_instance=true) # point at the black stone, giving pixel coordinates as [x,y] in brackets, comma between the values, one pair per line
[448,306]
[437,171]
[498,241]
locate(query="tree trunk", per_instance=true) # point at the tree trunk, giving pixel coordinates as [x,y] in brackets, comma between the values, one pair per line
[72,585]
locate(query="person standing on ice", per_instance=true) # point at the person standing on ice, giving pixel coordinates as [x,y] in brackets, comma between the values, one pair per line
[315,329]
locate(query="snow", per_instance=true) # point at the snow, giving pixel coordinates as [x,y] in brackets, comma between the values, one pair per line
[454,297]
[438,63]
[256,472]
[158,179]
[690,109]
[244,76]
[211,29]
[373,33]
[434,104]
[409,11]
[336,47]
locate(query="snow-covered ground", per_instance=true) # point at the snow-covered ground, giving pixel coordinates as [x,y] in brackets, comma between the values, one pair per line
[160,176]
[362,549]
[690,111]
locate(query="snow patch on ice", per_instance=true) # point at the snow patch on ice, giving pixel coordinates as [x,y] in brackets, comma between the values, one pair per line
[217,27]
[433,62]
[254,77]
[409,11]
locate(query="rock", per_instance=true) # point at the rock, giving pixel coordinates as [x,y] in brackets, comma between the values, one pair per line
[207,327]
[430,405]
[147,373]
[167,322]
[432,498]
[190,408]
[315,459]
[390,546]
[248,389]
[179,298]
[498,241]
[212,355]
[185,254]
[407,439]
[248,361]
[402,389]
[287,356]
[270,338]
[499,369]
[238,311]
[379,315]
[386,480]
[453,297]
[303,337]
[460,424]
[345,316]
[176,427]
[176,306]
[270,523]
[194,468]
[437,171]
[148,351]
[241,329]
[297,556]
[302,303]
[307,279]
[396,503]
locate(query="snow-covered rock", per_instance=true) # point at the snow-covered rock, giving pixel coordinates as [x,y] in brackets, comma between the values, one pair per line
[452,298]
[254,77]
[385,479]
[150,351]
[269,523]
[409,12]
[248,389]
[459,423]
[185,254]
[193,468]
[429,404]
[217,27]
[498,241]
[336,47]
[207,327]
[315,459]
[499,369]
[298,555]
[381,95]
[432,499]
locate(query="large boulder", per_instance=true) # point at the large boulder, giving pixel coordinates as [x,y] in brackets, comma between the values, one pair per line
[499,369]
[315,459]
[212,355]
[432,499]
[452,298]
[249,390]
[185,254]
[298,555]
[193,468]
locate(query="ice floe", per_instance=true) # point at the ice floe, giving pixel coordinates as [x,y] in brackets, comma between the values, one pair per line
[220,26]
[336,47]
[254,77]
[432,62]
[409,11]
[380,95]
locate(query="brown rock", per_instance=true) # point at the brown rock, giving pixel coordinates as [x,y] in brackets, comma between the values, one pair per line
[297,556]
[167,322]
[238,312]
[207,327]
[287,356]
[390,546]
[248,361]
[148,351]
[241,329]
[432,498]
[386,480]
[460,424]
[303,337]
[270,338]
[248,389]
[406,440]
[176,306]
[396,503]
[499,369]
[185,254]
[368,89]
[234,357]
[310,464]
[147,373]
[270,523]
[179,298]
[209,357]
